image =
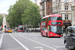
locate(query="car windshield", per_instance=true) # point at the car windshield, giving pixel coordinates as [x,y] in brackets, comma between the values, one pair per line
[72,30]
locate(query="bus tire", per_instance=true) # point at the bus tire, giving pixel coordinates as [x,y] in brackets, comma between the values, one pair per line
[42,35]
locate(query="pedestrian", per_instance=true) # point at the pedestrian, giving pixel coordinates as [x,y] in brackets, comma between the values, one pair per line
[28,30]
[25,29]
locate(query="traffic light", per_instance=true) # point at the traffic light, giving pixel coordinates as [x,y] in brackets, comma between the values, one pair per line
[5,26]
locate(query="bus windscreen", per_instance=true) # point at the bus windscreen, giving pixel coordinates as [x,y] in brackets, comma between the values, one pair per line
[55,22]
[56,29]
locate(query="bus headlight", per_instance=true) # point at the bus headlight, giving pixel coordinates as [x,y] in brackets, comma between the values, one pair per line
[51,34]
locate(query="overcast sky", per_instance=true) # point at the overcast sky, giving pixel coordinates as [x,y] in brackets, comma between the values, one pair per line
[4,5]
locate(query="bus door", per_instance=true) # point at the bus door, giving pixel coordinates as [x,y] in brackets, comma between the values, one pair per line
[47,27]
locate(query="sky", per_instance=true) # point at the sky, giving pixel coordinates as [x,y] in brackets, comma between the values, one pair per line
[4,5]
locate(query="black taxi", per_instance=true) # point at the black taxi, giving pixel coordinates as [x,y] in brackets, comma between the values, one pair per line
[69,38]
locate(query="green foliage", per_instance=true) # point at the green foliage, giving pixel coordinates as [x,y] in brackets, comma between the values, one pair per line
[31,16]
[1,19]
[23,12]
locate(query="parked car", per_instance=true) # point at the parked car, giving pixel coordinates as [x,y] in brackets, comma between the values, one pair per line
[69,38]
[8,30]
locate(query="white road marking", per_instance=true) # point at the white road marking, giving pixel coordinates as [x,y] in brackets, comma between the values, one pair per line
[19,43]
[59,46]
[38,47]
[41,49]
[1,41]
[38,42]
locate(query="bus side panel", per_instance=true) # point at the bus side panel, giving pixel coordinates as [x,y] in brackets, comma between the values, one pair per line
[43,33]
[51,34]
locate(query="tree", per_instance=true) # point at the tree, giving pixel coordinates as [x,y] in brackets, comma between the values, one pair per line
[31,16]
[23,12]
[16,11]
[1,19]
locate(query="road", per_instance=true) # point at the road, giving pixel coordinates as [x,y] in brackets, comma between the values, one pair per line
[30,41]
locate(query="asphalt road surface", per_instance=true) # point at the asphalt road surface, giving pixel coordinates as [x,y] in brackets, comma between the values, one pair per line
[30,41]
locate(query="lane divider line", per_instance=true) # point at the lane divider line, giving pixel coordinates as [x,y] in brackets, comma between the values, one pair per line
[19,42]
[38,42]
[1,41]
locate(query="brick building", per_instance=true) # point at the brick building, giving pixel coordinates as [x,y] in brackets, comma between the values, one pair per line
[46,6]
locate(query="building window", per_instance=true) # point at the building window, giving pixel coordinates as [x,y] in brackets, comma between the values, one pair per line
[43,7]
[66,17]
[66,7]
[59,1]
[66,0]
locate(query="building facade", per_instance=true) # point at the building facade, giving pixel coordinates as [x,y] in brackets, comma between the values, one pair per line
[46,6]
[66,8]
[55,6]
[42,3]
[63,7]
[73,13]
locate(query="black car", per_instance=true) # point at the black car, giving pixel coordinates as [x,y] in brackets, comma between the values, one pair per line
[69,38]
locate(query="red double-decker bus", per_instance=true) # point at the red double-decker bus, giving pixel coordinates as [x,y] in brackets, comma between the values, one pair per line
[51,26]
[21,28]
